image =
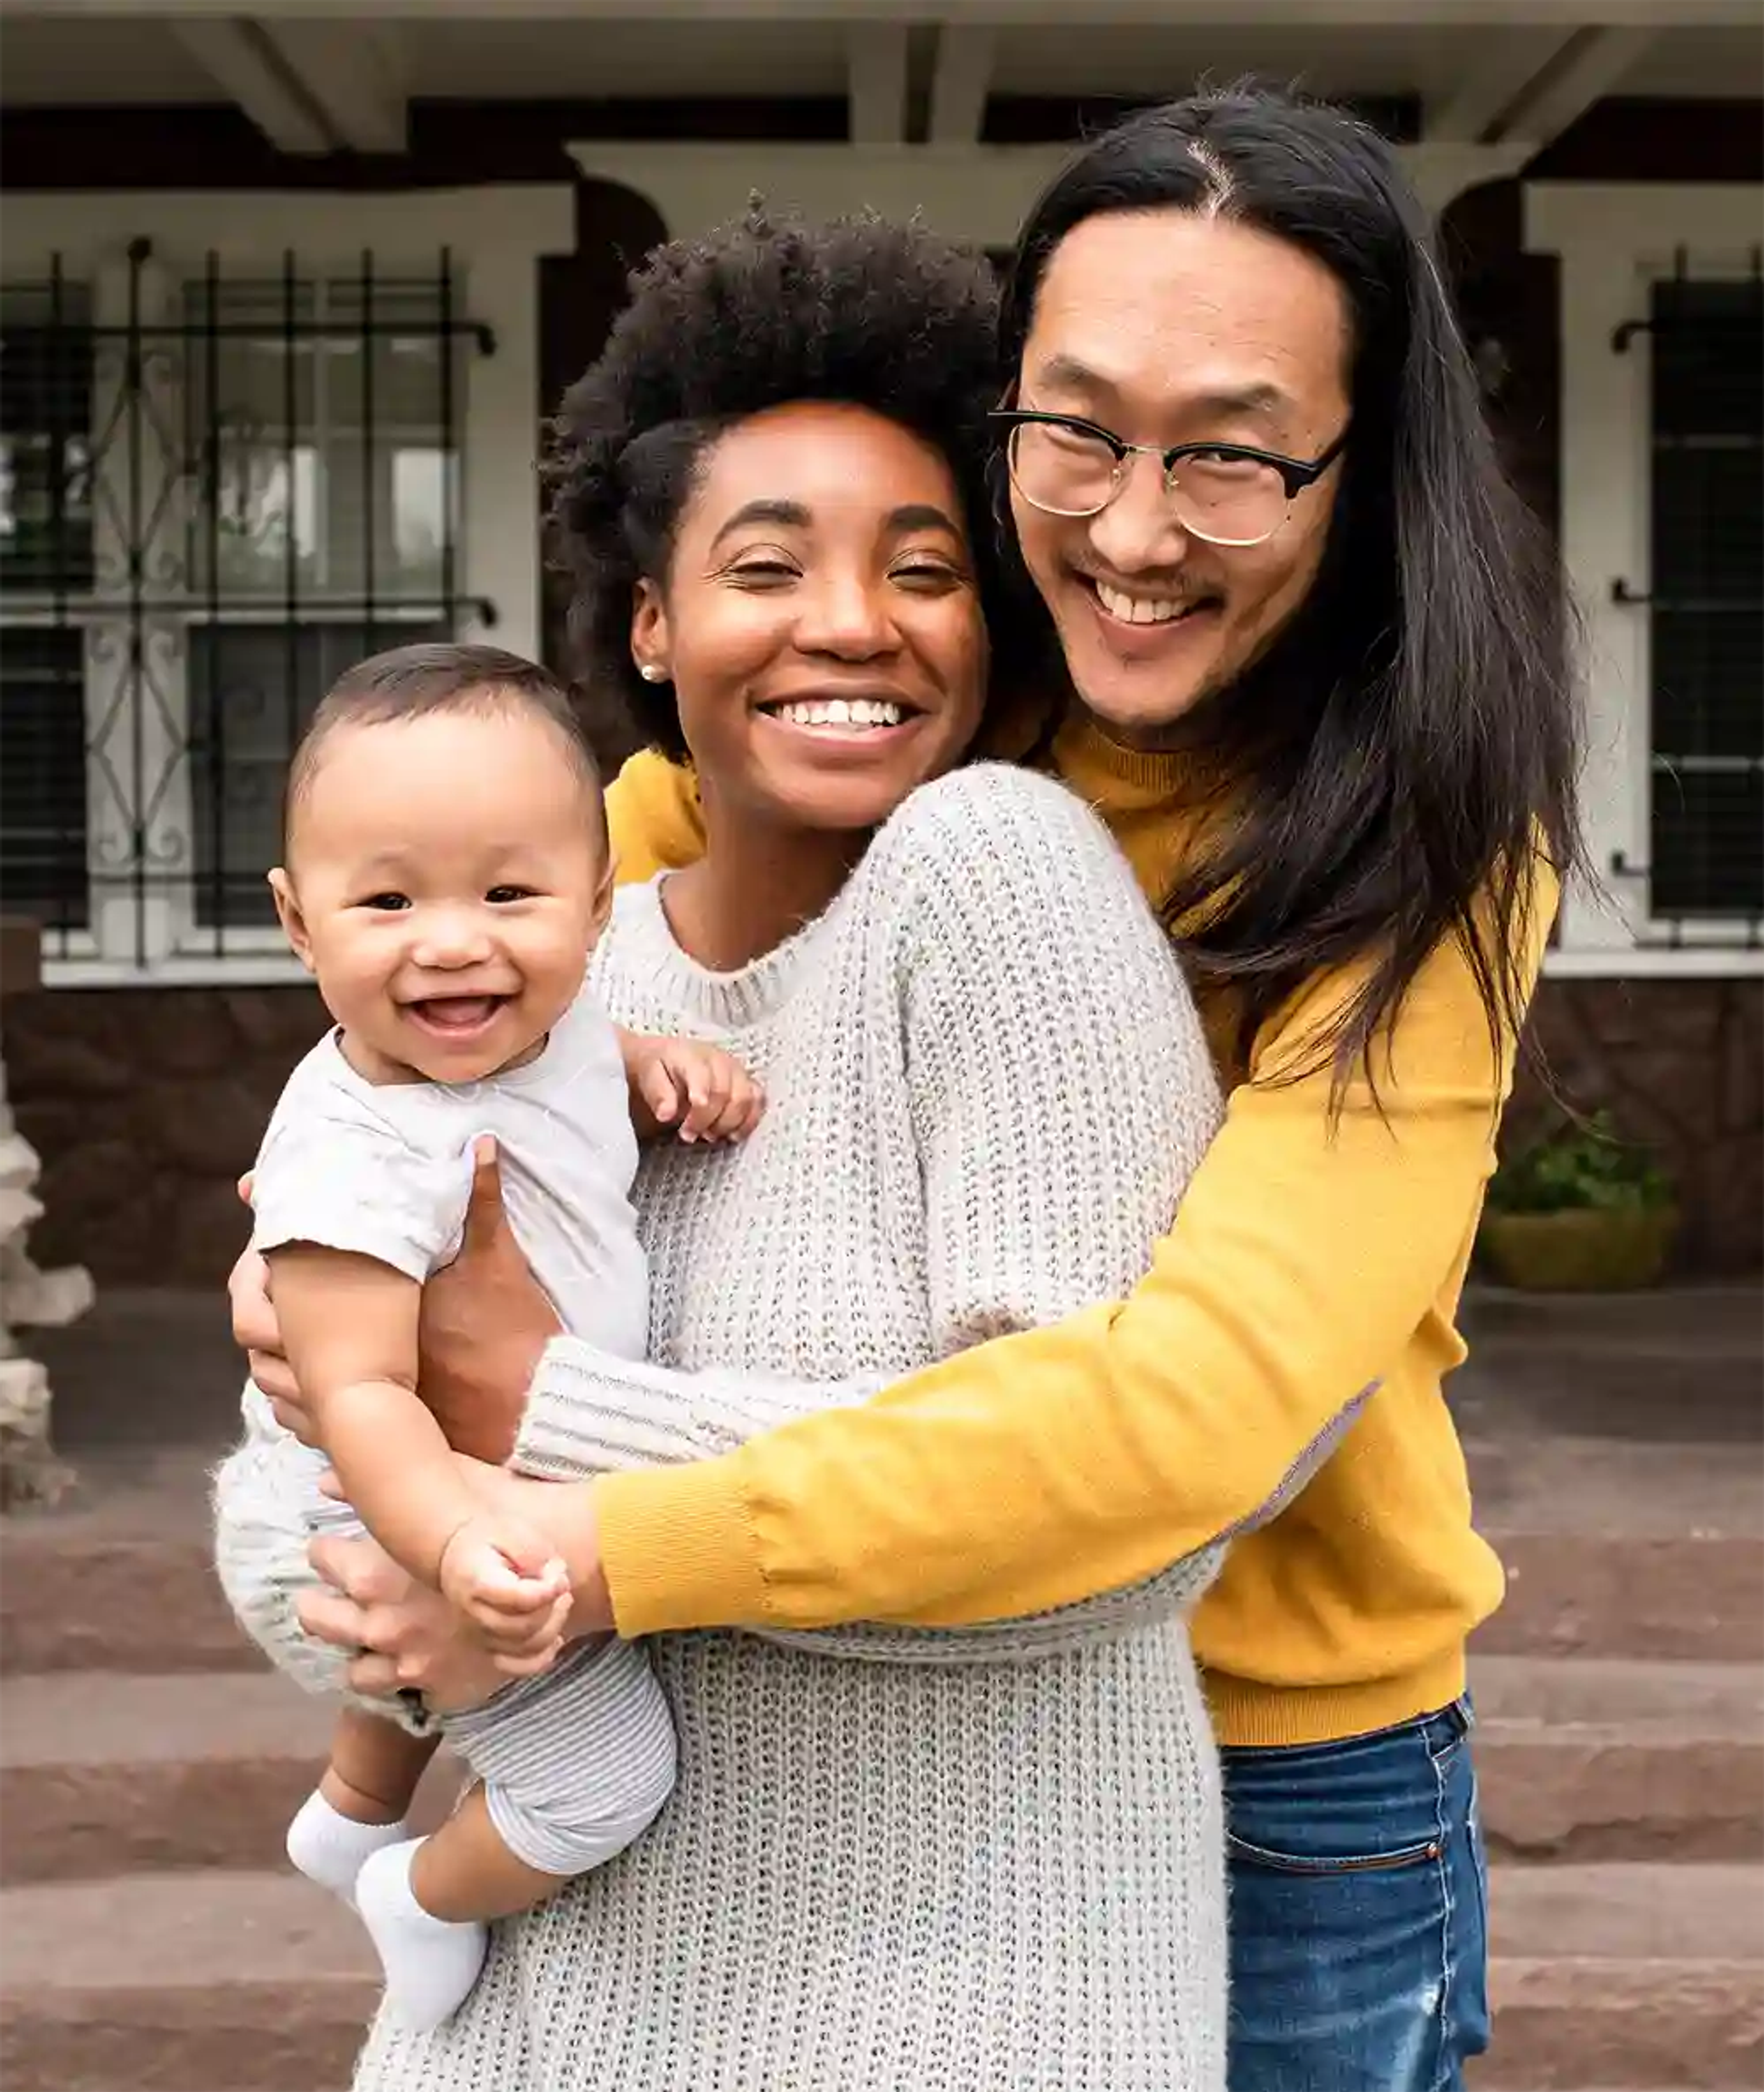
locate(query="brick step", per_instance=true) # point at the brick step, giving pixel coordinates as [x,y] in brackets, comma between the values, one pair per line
[1618,1759]
[1626,1975]
[1623,1977]
[102,1774]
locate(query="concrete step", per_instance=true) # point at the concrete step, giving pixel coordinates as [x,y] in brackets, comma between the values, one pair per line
[1712,1324]
[1692,1597]
[102,1774]
[120,1579]
[1613,1550]
[1619,1549]
[1615,1759]
[106,1775]
[230,1982]
[1618,1976]
[71,1602]
[1626,1975]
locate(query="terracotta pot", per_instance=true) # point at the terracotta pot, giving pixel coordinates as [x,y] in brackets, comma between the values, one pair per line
[1585,1249]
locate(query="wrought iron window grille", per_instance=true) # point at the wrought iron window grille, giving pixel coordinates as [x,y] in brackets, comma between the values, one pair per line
[215,493]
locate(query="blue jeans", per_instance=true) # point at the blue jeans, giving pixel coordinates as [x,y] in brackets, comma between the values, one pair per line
[1359,1913]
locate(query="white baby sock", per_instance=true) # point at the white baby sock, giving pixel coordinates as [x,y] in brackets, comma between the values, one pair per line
[329,1848]
[431,1964]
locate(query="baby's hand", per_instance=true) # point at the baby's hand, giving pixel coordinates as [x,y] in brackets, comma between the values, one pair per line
[506,1579]
[703,1092]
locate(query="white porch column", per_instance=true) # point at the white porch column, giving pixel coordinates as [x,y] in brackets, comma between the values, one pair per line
[1441,170]
[499,455]
[1605,492]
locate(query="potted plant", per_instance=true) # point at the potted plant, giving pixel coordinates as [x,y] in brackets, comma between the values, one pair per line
[1578,1211]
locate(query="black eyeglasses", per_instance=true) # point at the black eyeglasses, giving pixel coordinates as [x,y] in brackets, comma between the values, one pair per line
[1227,493]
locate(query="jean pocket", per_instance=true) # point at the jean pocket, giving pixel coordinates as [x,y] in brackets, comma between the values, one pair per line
[1242,1853]
[1369,1805]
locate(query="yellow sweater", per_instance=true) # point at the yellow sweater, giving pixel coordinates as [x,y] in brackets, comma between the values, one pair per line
[1307,1263]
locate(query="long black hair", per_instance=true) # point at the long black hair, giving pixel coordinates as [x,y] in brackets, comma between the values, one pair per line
[1409,745]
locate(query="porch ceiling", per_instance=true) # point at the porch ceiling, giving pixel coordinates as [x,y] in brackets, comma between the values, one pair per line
[313,82]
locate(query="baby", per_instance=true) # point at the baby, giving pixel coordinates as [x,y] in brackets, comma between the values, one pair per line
[447,873]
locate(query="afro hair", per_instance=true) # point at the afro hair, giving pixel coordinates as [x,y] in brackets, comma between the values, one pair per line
[766,311]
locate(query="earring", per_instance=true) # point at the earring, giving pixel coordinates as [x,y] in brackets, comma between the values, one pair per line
[652,671]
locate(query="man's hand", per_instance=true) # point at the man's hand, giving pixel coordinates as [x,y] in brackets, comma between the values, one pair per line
[485,1319]
[689,1088]
[402,1634]
[258,1335]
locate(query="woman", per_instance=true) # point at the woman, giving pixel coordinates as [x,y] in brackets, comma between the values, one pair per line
[1323,704]
[893,1858]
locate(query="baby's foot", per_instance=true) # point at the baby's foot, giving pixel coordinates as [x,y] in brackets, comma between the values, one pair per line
[431,1964]
[329,1848]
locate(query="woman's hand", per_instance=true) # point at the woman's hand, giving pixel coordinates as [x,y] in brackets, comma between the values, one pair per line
[485,1322]
[258,1335]
[406,1635]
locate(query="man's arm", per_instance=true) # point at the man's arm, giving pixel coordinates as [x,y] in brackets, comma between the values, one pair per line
[1044,1467]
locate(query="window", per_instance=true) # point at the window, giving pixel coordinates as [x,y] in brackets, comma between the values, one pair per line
[1706,600]
[43,777]
[211,502]
[1659,285]
[45,552]
[324,530]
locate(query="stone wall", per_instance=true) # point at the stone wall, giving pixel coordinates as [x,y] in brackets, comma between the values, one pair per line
[146,1104]
[1679,1065]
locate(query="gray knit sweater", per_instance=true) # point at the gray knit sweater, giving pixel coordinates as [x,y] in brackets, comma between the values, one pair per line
[975,1861]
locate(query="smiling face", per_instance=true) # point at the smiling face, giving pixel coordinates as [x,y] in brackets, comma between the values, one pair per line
[1168,327]
[819,620]
[447,876]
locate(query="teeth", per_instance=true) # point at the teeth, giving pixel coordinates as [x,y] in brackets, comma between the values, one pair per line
[1138,609]
[843,711]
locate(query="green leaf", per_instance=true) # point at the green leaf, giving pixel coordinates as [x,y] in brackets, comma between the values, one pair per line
[1576,1165]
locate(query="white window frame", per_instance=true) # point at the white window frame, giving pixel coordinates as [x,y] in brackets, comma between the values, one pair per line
[495,237]
[1614,241]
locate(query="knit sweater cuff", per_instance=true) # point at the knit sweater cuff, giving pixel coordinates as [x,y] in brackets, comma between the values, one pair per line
[588,1411]
[679,1548]
[678,1541]
[677,1544]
